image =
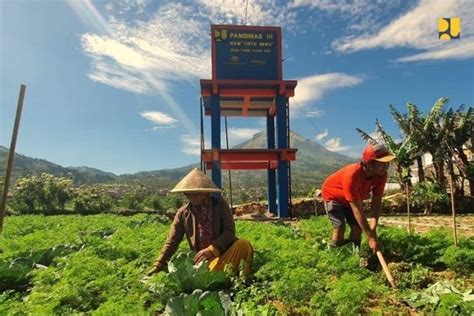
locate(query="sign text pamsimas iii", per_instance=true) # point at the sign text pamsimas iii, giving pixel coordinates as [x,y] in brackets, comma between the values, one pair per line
[246,35]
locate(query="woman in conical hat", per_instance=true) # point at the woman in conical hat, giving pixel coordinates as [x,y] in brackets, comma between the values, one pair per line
[208,225]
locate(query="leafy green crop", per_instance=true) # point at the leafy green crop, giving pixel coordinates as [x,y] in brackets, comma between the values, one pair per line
[443,298]
[199,303]
[460,259]
[197,276]
[95,265]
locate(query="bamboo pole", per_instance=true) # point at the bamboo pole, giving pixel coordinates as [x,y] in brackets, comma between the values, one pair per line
[407,192]
[11,154]
[203,169]
[453,210]
[385,269]
[230,178]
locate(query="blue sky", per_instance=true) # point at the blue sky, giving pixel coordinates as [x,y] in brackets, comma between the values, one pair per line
[115,84]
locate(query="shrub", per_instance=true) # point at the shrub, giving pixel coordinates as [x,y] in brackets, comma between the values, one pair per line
[429,196]
[152,201]
[460,259]
[171,202]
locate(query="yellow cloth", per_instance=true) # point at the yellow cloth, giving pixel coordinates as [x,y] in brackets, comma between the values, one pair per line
[240,250]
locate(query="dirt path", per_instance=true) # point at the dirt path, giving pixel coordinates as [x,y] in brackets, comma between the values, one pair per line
[421,223]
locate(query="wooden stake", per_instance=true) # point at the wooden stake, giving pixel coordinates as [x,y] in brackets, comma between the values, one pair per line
[385,269]
[407,192]
[11,154]
[453,210]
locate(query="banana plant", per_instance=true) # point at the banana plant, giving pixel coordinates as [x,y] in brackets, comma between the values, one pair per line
[404,152]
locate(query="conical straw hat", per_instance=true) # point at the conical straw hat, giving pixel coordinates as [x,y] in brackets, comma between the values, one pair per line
[195,181]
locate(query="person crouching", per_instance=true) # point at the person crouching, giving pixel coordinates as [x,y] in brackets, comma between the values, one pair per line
[209,227]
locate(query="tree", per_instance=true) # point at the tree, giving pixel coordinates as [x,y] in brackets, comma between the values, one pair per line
[91,200]
[411,125]
[428,133]
[457,131]
[433,138]
[134,197]
[44,194]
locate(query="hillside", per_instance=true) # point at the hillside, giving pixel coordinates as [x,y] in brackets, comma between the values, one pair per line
[24,165]
[313,164]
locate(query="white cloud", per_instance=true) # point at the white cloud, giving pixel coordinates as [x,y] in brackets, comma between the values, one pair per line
[269,12]
[146,54]
[314,112]
[191,145]
[119,53]
[332,144]
[159,118]
[238,135]
[322,135]
[356,7]
[192,151]
[458,50]
[114,76]
[109,7]
[335,144]
[171,44]
[157,128]
[132,6]
[418,28]
[242,133]
[151,53]
[311,89]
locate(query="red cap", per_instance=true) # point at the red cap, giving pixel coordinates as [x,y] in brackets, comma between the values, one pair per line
[377,152]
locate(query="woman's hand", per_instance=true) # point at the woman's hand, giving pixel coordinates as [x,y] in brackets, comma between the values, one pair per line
[205,254]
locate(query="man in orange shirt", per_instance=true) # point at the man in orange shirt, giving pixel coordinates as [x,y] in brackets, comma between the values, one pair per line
[344,191]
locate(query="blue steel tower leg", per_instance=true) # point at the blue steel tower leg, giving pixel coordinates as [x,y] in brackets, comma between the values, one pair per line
[216,137]
[282,138]
[272,207]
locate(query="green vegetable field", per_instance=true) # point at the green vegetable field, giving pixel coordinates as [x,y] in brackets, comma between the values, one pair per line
[95,265]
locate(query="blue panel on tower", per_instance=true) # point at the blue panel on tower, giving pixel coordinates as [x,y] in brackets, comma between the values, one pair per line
[246,52]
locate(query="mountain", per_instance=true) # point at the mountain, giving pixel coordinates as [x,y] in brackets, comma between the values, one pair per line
[24,165]
[313,163]
[163,178]
[92,175]
[310,155]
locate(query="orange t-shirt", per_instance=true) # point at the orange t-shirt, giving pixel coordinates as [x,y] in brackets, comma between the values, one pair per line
[348,184]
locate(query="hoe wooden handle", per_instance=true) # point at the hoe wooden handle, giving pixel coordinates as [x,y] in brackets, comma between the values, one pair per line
[385,269]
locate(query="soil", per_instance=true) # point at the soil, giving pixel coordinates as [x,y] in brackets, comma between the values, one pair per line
[257,211]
